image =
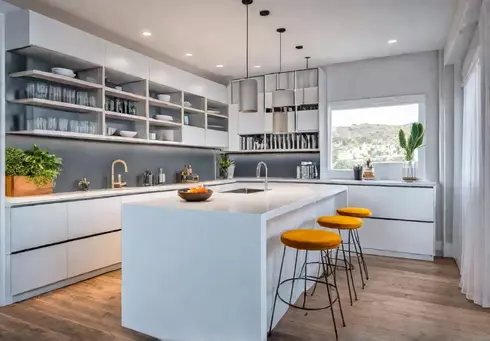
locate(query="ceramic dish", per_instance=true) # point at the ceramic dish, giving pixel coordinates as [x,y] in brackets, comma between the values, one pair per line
[127,133]
[163,97]
[187,104]
[194,197]
[63,72]
[111,131]
[164,117]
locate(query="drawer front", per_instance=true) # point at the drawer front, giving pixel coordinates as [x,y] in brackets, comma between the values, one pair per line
[89,254]
[215,138]
[35,269]
[93,216]
[34,226]
[398,236]
[307,120]
[405,203]
[193,135]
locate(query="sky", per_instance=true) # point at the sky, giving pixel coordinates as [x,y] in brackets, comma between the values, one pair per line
[392,115]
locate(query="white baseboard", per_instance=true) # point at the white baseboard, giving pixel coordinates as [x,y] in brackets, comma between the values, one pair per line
[397,254]
[54,286]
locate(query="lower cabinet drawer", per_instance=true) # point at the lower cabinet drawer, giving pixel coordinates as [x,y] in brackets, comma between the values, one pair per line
[35,269]
[93,253]
[398,236]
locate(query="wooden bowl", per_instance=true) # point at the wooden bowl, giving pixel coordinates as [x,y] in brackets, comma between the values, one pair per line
[195,197]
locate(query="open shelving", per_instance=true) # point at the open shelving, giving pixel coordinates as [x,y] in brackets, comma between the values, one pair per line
[46,103]
[51,77]
[120,116]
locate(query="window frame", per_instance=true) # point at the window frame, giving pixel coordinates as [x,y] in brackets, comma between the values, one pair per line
[419,99]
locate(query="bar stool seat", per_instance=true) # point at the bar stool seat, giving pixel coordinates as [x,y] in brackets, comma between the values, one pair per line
[313,240]
[358,212]
[339,222]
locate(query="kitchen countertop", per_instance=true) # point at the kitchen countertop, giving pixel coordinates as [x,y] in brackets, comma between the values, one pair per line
[279,199]
[107,193]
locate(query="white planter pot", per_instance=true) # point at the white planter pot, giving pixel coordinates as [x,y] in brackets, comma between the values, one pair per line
[231,171]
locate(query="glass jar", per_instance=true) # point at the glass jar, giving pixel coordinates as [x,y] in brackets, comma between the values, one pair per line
[409,171]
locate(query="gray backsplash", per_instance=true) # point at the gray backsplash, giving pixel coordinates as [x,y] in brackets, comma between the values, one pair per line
[93,160]
[281,165]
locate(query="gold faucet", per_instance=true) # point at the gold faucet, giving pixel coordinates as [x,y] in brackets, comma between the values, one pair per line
[119,183]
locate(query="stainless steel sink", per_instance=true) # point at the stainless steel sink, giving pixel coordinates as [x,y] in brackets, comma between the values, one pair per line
[244,190]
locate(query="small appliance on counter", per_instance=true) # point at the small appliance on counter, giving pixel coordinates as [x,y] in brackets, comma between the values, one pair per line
[84,184]
[307,170]
[186,175]
[148,178]
[161,177]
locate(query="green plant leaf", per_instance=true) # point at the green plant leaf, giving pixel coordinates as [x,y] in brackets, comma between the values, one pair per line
[402,138]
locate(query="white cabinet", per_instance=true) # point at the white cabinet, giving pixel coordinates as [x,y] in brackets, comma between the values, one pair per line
[93,216]
[35,269]
[233,138]
[33,226]
[268,122]
[268,100]
[404,203]
[89,254]
[307,120]
[398,236]
[127,61]
[216,138]
[250,123]
[193,135]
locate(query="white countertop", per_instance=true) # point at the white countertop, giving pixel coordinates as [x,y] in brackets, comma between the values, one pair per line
[106,193]
[279,199]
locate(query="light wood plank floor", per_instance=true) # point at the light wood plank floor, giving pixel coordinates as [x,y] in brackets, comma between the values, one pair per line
[404,300]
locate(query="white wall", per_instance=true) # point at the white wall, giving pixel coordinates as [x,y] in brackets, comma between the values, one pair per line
[408,74]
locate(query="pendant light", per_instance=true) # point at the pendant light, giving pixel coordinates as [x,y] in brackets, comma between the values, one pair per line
[281,98]
[248,88]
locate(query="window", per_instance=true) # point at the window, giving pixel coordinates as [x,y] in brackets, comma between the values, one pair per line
[368,130]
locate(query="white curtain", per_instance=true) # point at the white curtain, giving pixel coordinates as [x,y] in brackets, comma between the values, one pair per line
[475,180]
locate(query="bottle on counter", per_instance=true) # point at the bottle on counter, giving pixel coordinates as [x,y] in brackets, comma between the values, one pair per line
[161,176]
[148,178]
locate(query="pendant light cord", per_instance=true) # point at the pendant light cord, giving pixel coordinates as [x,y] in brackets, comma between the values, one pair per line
[280,52]
[247,41]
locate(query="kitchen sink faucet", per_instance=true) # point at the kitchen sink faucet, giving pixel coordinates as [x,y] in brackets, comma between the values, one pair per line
[259,166]
[119,183]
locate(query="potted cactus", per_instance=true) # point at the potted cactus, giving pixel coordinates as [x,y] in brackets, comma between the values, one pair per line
[409,146]
[368,173]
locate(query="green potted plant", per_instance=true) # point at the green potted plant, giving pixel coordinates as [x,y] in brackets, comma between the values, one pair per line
[368,173]
[30,172]
[409,147]
[226,166]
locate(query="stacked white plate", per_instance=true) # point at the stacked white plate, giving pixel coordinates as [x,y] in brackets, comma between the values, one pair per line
[164,118]
[63,72]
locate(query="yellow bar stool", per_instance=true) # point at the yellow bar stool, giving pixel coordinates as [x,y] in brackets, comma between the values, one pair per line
[350,224]
[310,240]
[357,212]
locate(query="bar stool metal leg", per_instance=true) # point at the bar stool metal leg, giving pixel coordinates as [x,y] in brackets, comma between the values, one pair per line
[294,275]
[348,270]
[333,268]
[358,257]
[277,291]
[362,255]
[330,298]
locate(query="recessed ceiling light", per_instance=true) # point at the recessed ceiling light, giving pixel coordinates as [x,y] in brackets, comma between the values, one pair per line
[146,33]
[219,65]
[188,54]
[392,41]
[257,66]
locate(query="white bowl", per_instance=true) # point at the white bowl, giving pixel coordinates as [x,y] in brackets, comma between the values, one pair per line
[187,104]
[165,98]
[127,133]
[164,118]
[63,72]
[111,131]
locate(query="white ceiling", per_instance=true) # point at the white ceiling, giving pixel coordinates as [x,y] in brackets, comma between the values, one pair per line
[332,31]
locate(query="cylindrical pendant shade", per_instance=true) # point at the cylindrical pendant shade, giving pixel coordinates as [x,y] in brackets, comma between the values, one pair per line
[248,100]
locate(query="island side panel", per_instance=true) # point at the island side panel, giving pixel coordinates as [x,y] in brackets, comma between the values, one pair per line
[304,217]
[191,275]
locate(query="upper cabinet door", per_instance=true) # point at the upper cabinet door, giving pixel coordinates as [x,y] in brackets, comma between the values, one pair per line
[127,61]
[250,123]
[56,36]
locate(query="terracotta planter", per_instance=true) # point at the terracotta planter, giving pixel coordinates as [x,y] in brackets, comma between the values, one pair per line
[21,186]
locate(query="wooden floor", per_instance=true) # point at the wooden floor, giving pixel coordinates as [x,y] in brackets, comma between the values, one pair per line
[404,300]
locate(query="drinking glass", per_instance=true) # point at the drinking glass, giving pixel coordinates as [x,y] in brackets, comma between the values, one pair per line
[30,124]
[31,90]
[55,93]
[74,126]
[93,128]
[40,123]
[92,101]
[41,90]
[83,127]
[66,95]
[52,123]
[63,124]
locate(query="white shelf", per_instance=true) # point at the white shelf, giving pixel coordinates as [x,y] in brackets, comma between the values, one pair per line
[91,137]
[124,95]
[272,151]
[127,117]
[194,110]
[163,104]
[217,115]
[55,105]
[164,123]
[56,78]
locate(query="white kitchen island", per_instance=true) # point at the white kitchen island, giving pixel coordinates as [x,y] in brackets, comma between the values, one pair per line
[208,271]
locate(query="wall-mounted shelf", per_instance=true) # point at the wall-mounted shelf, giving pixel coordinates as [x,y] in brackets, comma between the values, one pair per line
[193,110]
[48,76]
[46,103]
[163,104]
[124,95]
[210,113]
[273,151]
[91,137]
[127,117]
[164,123]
